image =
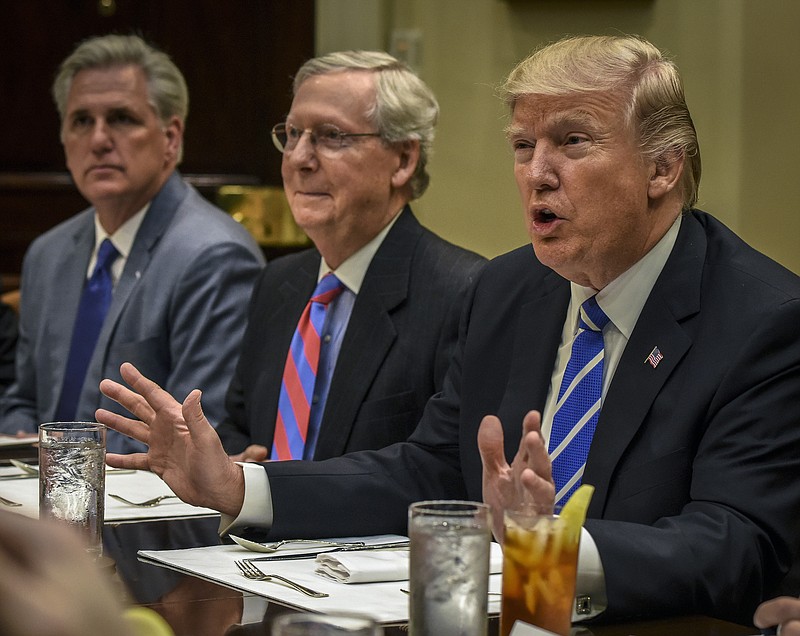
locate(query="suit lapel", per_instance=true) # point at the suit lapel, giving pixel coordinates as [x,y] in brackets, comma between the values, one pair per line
[156,221]
[541,321]
[384,288]
[70,273]
[637,383]
[280,313]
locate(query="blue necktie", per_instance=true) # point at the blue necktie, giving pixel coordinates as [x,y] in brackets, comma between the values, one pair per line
[579,399]
[92,310]
[300,373]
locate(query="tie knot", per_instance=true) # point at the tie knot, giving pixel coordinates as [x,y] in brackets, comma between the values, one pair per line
[106,255]
[327,289]
[592,317]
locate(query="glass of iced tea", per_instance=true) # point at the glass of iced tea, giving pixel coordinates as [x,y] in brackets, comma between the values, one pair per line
[540,563]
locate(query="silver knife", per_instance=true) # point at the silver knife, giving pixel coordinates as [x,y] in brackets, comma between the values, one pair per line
[17,476]
[312,555]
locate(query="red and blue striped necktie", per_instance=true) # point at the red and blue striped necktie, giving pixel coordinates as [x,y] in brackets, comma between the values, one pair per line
[300,373]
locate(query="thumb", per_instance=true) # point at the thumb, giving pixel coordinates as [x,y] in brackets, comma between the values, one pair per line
[490,443]
[193,412]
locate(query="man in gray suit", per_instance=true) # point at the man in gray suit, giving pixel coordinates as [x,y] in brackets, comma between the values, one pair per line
[181,269]
[355,150]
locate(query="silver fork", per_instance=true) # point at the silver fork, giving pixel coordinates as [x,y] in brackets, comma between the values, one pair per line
[250,571]
[8,502]
[148,503]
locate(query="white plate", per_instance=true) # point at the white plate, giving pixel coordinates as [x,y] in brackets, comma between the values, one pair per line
[8,442]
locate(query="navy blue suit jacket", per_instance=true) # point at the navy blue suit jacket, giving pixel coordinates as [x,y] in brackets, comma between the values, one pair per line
[695,462]
[394,355]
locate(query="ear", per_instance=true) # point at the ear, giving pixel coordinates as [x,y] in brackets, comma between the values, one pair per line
[173,132]
[665,173]
[408,155]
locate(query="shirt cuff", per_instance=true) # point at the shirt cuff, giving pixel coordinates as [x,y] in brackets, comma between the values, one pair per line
[256,509]
[590,586]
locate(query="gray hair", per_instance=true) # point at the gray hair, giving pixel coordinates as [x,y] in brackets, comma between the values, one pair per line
[166,87]
[405,107]
[656,107]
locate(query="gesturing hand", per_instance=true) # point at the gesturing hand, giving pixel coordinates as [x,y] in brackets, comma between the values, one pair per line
[527,480]
[183,447]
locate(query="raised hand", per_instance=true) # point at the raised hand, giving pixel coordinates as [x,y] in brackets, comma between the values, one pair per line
[183,448]
[527,480]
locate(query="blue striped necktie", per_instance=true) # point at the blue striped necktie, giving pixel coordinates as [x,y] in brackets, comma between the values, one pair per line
[92,310]
[300,373]
[579,399]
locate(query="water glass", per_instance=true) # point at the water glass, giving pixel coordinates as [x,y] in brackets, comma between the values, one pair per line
[540,563]
[72,477]
[307,624]
[449,568]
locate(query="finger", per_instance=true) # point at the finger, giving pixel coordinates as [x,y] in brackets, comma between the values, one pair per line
[128,399]
[776,611]
[536,455]
[255,453]
[156,397]
[125,425]
[192,410]
[133,461]
[490,444]
[532,423]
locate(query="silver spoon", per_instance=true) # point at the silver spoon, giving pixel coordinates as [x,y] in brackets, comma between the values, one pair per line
[253,546]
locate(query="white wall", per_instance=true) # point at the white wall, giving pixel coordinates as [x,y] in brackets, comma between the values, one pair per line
[738,59]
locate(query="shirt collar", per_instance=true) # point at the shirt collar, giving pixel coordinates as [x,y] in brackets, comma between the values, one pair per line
[352,271]
[623,298]
[124,236]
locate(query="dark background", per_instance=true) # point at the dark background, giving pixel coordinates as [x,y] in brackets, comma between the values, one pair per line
[238,58]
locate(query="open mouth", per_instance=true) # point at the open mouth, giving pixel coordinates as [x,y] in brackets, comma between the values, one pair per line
[544,215]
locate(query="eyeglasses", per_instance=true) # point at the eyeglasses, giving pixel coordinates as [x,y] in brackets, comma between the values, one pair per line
[325,137]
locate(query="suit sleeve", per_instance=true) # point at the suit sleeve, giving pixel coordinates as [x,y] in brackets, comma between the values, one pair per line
[18,407]
[8,344]
[207,317]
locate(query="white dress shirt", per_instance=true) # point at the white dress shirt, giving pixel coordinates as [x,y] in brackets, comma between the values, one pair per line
[122,240]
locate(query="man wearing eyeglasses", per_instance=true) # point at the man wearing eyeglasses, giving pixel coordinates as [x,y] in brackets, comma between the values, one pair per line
[355,147]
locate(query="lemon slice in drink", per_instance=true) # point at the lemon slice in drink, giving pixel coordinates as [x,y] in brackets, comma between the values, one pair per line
[573,514]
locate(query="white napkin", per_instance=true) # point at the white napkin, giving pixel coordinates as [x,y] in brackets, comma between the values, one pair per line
[380,565]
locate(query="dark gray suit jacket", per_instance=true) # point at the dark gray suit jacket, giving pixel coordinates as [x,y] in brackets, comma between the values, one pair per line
[695,462]
[395,351]
[178,311]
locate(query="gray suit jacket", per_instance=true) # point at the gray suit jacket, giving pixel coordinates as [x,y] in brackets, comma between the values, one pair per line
[178,311]
[394,355]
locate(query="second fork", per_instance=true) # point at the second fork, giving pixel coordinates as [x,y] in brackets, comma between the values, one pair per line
[148,503]
[250,571]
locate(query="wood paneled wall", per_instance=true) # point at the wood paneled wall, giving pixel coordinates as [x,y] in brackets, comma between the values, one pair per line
[238,59]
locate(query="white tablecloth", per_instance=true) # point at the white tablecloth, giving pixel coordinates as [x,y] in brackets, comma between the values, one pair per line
[136,486]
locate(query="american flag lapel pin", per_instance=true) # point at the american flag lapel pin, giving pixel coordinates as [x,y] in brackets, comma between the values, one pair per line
[655,357]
